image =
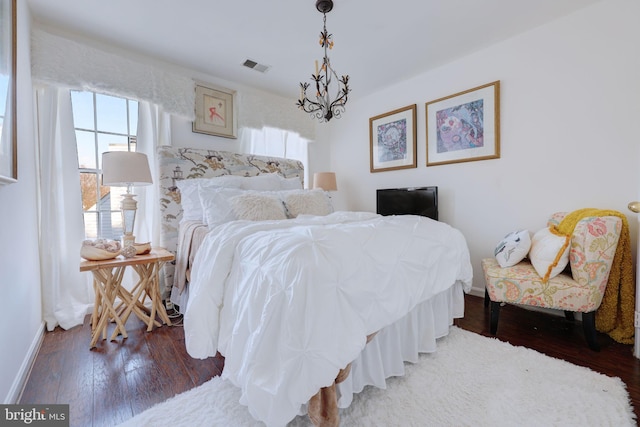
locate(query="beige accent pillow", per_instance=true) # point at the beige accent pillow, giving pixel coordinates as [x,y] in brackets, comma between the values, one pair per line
[257,207]
[312,202]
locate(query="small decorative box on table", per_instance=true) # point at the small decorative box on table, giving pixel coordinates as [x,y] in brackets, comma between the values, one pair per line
[107,283]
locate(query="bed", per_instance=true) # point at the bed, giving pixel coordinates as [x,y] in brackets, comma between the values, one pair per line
[310,307]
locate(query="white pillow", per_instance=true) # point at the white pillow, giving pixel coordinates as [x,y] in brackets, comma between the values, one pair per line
[294,183]
[216,205]
[513,248]
[190,199]
[546,247]
[307,202]
[254,206]
[228,181]
[265,182]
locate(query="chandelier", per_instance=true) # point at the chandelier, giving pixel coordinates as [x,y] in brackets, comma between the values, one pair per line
[323,108]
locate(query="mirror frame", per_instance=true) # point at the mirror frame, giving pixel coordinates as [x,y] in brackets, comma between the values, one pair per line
[10,175]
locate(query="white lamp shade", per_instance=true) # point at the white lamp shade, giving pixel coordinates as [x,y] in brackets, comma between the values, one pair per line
[325,181]
[124,168]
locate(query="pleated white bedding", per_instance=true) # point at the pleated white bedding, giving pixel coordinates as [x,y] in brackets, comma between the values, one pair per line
[290,303]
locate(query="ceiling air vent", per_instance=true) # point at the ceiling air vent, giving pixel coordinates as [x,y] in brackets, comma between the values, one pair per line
[255,66]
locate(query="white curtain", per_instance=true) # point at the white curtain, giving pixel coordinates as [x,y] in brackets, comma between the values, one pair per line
[154,130]
[276,142]
[67,294]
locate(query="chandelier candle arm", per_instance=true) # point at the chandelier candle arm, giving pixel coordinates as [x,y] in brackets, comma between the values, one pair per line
[323,108]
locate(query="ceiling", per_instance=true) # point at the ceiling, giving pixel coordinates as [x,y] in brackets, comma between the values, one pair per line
[377,43]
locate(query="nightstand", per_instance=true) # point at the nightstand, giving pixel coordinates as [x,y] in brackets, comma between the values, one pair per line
[107,284]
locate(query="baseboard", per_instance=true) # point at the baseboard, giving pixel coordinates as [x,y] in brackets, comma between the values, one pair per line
[25,369]
[477,292]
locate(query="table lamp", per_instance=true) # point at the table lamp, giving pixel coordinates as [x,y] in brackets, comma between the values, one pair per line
[126,169]
[325,181]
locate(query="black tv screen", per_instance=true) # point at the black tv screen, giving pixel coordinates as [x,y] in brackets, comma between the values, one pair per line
[408,201]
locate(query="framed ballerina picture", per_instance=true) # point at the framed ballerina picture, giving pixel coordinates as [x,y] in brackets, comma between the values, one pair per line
[215,112]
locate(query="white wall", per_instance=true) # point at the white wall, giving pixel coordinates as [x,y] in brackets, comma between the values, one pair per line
[19,256]
[568,134]
[256,109]
[568,112]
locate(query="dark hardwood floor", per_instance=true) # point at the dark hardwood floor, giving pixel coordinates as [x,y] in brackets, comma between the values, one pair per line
[113,382]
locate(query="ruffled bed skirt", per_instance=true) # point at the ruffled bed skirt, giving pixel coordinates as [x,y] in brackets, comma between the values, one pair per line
[396,344]
[401,342]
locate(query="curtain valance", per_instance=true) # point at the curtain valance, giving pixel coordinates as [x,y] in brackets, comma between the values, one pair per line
[63,62]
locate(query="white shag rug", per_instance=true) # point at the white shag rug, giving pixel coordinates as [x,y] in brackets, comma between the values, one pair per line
[470,381]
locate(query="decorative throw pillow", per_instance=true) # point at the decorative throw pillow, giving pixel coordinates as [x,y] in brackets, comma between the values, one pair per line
[513,248]
[189,199]
[189,193]
[264,182]
[216,204]
[294,183]
[549,253]
[257,207]
[307,202]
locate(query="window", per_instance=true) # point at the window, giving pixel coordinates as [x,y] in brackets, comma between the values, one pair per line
[102,123]
[270,141]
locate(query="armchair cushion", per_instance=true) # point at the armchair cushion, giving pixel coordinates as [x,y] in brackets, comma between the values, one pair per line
[521,284]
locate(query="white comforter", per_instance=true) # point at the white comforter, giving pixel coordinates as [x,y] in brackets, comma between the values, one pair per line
[289,303]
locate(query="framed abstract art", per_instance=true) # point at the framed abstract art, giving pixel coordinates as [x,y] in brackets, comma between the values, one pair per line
[465,126]
[215,112]
[393,140]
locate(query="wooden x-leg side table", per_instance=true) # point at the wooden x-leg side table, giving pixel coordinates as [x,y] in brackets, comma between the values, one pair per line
[107,284]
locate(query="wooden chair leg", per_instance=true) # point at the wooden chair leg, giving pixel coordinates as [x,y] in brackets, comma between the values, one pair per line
[589,327]
[495,314]
[570,316]
[486,298]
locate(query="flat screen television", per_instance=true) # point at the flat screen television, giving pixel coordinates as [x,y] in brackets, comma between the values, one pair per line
[408,201]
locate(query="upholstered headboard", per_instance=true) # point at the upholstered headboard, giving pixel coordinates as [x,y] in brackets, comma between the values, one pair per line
[186,163]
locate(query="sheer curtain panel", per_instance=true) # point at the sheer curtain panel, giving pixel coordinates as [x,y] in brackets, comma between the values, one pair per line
[67,294]
[154,130]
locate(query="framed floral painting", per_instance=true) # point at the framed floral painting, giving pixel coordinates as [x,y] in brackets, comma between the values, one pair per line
[393,140]
[465,126]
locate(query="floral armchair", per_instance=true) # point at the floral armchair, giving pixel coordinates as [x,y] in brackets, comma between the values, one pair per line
[591,251]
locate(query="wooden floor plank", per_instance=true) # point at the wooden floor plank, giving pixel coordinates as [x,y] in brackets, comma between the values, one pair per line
[120,379]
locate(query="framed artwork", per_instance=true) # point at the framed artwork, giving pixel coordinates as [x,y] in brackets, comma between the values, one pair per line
[465,126]
[215,112]
[393,140]
[8,123]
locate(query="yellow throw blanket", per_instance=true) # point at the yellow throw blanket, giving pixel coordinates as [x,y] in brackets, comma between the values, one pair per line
[615,316]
